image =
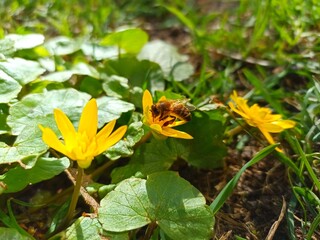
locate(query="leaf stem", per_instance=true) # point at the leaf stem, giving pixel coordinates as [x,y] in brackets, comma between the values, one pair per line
[150,230]
[143,140]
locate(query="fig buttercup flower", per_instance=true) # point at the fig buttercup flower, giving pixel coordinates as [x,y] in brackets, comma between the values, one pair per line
[260,117]
[161,128]
[82,145]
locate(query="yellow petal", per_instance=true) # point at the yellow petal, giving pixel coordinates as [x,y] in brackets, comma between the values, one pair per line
[156,127]
[273,128]
[233,108]
[51,139]
[104,133]
[89,119]
[146,102]
[66,128]
[278,126]
[267,135]
[286,123]
[176,123]
[163,98]
[112,139]
[169,132]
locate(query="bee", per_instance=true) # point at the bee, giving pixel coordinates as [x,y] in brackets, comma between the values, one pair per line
[170,110]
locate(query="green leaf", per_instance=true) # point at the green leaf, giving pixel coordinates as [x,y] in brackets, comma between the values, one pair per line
[4,110]
[84,228]
[21,70]
[206,149]
[142,74]
[227,190]
[6,48]
[33,107]
[9,88]
[125,208]
[130,40]
[98,52]
[79,69]
[111,108]
[11,233]
[63,45]
[12,154]
[124,147]
[179,208]
[18,177]
[164,198]
[91,85]
[26,41]
[171,62]
[116,86]
[157,155]
[28,143]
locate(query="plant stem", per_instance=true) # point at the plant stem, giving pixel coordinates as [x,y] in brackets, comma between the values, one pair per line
[234,131]
[96,173]
[75,196]
[152,226]
[143,140]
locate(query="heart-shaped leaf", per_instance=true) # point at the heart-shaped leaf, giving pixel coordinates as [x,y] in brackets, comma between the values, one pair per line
[21,70]
[18,177]
[126,207]
[130,40]
[171,62]
[26,41]
[164,198]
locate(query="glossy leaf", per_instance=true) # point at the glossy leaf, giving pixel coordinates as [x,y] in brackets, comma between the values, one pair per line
[21,70]
[140,74]
[110,108]
[171,62]
[26,41]
[130,40]
[6,48]
[79,69]
[206,149]
[124,147]
[35,106]
[125,208]
[116,86]
[165,199]
[11,233]
[84,228]
[4,109]
[63,45]
[9,88]
[157,155]
[18,177]
[98,52]
[179,208]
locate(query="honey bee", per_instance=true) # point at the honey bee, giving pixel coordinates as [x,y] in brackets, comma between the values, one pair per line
[170,110]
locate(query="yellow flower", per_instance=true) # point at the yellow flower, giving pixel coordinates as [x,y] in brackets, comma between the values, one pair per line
[260,117]
[161,128]
[84,145]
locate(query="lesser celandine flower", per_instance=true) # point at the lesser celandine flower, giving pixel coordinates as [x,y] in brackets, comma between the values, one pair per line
[161,128]
[260,117]
[82,145]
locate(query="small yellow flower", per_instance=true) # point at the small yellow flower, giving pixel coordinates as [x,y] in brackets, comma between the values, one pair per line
[84,145]
[260,117]
[161,128]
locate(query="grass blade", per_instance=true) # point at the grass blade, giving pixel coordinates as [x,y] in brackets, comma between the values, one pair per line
[227,190]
